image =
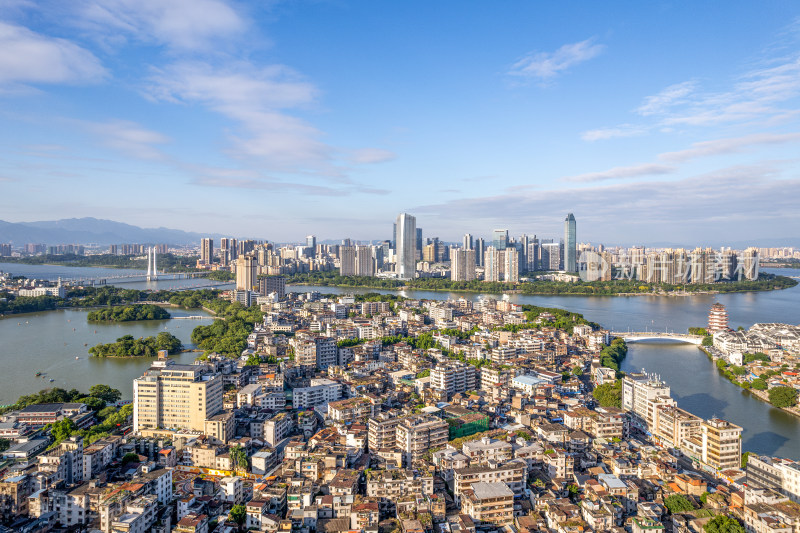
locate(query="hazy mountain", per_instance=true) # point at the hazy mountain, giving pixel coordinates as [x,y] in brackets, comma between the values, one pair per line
[92,230]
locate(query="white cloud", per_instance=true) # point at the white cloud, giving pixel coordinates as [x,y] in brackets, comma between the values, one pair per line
[633,171]
[546,65]
[28,57]
[623,130]
[671,96]
[371,155]
[256,98]
[129,138]
[728,146]
[750,200]
[180,24]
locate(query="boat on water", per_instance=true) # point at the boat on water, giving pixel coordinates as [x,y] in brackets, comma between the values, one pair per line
[51,380]
[38,374]
[76,357]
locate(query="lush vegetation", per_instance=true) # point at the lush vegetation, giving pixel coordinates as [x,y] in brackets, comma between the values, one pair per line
[127,346]
[723,524]
[758,356]
[624,286]
[783,396]
[166,262]
[698,331]
[104,296]
[221,275]
[97,399]
[128,313]
[678,503]
[228,336]
[609,394]
[611,356]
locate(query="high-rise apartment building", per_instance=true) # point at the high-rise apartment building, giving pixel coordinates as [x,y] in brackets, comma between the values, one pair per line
[406,246]
[570,244]
[749,264]
[227,251]
[418,434]
[511,265]
[480,249]
[206,251]
[492,264]
[172,396]
[347,260]
[246,273]
[269,284]
[468,243]
[462,265]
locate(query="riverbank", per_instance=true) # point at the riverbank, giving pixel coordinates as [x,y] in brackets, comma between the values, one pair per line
[762,395]
[766,282]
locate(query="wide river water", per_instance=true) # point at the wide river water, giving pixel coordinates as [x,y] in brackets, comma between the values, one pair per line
[46,342]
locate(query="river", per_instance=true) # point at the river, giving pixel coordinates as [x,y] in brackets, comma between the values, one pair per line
[50,341]
[695,382]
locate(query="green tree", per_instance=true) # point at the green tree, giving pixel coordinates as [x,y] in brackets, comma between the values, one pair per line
[238,458]
[608,394]
[577,371]
[105,393]
[678,503]
[783,396]
[61,430]
[423,373]
[130,458]
[745,456]
[253,360]
[723,524]
[708,340]
[238,514]
[759,384]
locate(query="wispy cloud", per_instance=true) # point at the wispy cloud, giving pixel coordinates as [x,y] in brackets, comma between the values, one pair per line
[664,100]
[728,146]
[544,66]
[27,57]
[130,138]
[760,97]
[751,198]
[186,25]
[633,171]
[371,155]
[623,130]
[257,98]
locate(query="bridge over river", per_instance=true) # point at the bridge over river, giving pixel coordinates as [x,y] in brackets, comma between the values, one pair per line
[655,336]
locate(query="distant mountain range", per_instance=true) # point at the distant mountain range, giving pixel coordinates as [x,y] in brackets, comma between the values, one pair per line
[92,231]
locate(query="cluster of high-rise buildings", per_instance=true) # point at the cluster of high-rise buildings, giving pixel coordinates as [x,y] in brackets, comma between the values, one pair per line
[503,258]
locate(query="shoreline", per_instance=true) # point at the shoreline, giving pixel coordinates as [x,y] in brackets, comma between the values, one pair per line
[758,394]
[522,293]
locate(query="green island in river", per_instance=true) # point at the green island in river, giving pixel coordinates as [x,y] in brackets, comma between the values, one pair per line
[621,287]
[128,346]
[128,313]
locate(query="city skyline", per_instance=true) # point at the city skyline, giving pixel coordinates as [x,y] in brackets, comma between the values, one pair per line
[301,116]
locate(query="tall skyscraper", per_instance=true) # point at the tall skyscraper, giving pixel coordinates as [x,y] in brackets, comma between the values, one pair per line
[511,265]
[347,260]
[225,251]
[462,265]
[493,264]
[206,251]
[419,243]
[570,245]
[500,239]
[311,241]
[246,272]
[406,246]
[480,249]
[468,242]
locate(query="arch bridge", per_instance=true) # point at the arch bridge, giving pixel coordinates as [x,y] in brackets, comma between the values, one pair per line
[651,336]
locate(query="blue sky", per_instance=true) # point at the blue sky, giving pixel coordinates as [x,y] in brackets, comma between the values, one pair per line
[652,122]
